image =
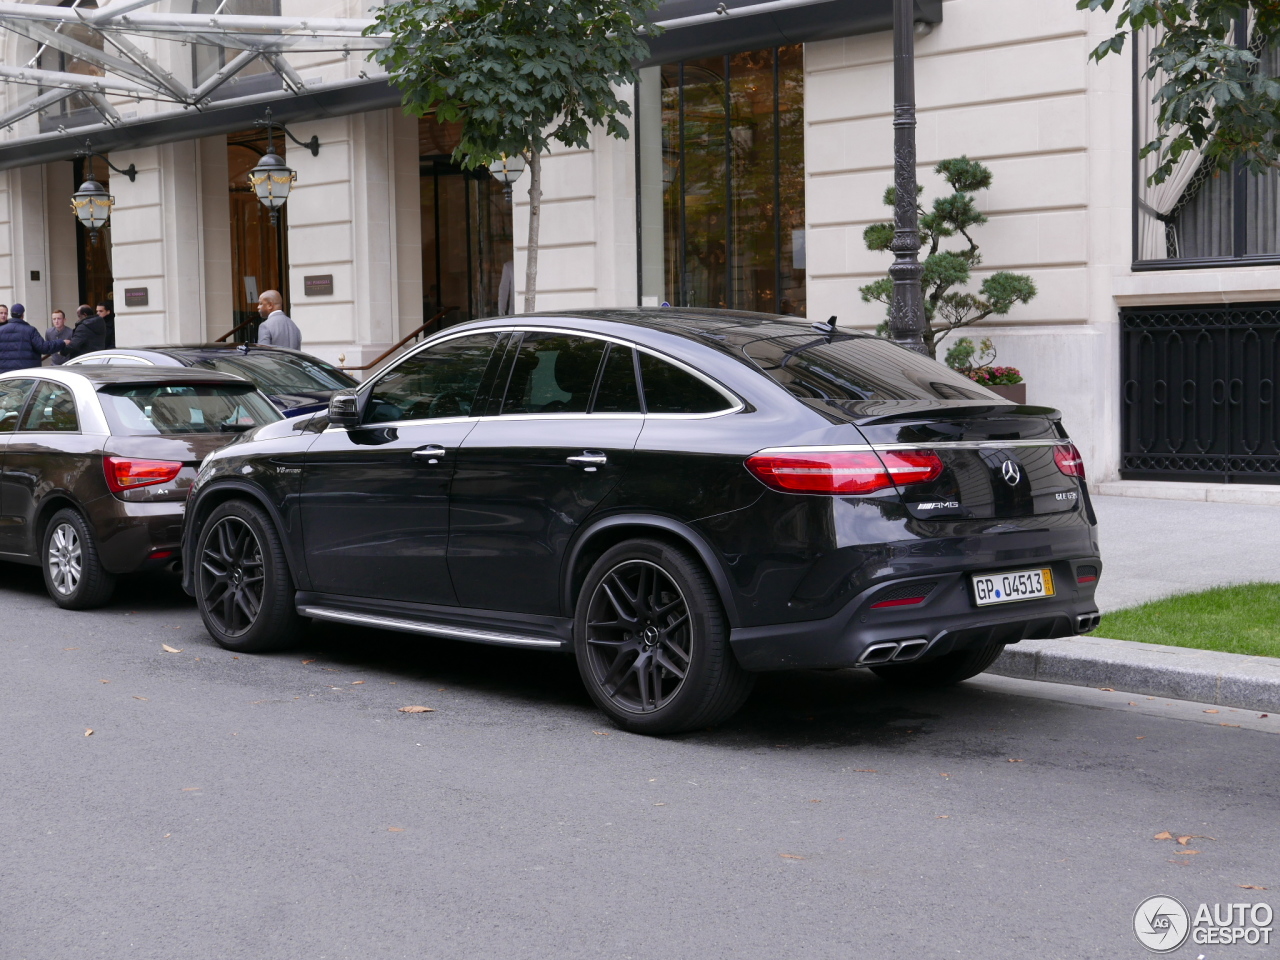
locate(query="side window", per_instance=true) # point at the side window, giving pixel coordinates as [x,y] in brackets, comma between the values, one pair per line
[441,381]
[618,392]
[52,409]
[13,394]
[553,373]
[668,389]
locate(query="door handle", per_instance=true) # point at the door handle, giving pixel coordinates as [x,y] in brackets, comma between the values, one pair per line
[588,459]
[431,453]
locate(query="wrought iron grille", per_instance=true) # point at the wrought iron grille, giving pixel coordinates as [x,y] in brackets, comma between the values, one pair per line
[1199,396]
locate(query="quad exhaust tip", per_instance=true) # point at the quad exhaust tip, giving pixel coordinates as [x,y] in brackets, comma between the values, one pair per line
[895,651]
[1088,622]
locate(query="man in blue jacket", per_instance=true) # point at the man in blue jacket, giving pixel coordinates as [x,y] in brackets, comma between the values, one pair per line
[21,345]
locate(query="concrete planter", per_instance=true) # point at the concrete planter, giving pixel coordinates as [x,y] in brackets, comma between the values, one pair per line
[1015,392]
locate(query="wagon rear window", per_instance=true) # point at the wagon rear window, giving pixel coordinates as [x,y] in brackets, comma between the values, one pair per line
[181,408]
[858,368]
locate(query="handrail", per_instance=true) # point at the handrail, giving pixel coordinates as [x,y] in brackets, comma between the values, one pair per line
[412,336]
[234,330]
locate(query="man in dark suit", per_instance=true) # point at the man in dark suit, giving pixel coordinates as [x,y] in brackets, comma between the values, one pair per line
[108,323]
[90,333]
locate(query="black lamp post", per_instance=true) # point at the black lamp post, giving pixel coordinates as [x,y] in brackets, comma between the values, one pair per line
[906,311]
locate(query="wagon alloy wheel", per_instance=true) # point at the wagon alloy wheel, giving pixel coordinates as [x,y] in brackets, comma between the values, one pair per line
[66,559]
[640,636]
[232,577]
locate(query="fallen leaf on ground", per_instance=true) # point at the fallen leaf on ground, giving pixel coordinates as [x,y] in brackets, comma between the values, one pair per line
[1132,704]
[355,682]
[88,731]
[790,856]
[305,662]
[1228,724]
[395,829]
[1107,689]
[189,789]
[1263,716]
[70,648]
[108,681]
[1186,853]
[167,836]
[168,649]
[659,804]
[944,774]
[1016,760]
[864,771]
[601,733]
[815,801]
[1192,836]
[945,816]
[1249,886]
[1163,835]
[139,698]
[1211,711]
[416,709]
[1139,738]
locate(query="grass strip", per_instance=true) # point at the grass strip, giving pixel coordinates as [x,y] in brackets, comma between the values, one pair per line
[1239,619]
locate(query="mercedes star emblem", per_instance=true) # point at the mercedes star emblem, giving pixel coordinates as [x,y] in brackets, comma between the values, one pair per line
[1011,472]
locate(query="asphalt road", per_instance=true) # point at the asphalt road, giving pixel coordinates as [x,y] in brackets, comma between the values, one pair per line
[281,807]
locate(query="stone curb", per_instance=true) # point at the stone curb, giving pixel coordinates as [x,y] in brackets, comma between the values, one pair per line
[1205,676]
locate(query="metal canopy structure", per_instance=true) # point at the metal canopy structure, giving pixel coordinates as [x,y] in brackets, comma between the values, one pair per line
[133,53]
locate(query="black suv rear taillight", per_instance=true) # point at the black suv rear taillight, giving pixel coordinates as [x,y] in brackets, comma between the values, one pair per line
[843,471]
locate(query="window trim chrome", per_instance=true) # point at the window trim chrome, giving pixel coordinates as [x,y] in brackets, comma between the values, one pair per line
[935,445]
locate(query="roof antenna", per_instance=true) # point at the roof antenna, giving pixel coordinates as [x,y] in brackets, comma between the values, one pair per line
[829,328]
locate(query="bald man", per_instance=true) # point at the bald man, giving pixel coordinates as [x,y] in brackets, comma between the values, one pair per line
[277,329]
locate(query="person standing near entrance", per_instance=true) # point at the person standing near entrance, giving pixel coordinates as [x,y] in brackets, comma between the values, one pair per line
[58,330]
[108,323]
[277,329]
[21,345]
[89,333]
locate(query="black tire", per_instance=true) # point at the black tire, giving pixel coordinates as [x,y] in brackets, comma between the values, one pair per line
[943,671]
[647,612]
[243,587]
[73,571]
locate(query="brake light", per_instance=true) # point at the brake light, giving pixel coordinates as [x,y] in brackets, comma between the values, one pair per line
[843,471]
[125,473]
[1069,461]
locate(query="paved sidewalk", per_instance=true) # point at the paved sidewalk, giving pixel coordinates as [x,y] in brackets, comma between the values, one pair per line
[1152,549]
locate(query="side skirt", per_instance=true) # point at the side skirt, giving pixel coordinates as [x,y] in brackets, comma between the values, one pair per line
[477,626]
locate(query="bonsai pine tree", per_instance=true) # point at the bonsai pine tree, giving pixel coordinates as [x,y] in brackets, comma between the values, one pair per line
[517,75]
[946,271]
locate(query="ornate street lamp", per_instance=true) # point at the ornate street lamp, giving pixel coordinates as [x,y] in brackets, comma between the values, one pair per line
[91,203]
[906,310]
[506,170]
[272,178]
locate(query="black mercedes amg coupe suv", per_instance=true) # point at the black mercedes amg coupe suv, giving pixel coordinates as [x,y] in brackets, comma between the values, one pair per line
[681,498]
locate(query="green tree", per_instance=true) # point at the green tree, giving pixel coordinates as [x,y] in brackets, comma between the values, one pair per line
[946,307]
[517,75]
[1214,97]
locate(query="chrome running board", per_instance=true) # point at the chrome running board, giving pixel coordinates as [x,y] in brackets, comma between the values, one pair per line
[434,629]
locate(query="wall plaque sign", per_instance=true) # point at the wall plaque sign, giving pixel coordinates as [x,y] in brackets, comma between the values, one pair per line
[320,285]
[136,297]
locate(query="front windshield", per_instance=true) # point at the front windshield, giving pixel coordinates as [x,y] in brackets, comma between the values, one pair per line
[140,411]
[279,373]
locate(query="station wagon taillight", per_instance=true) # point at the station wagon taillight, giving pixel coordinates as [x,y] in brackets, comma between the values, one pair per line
[126,473]
[1068,459]
[843,471]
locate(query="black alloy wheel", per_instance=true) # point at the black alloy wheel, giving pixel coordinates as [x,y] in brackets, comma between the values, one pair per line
[243,586]
[73,571]
[652,641]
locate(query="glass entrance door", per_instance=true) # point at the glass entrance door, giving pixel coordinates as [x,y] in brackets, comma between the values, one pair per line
[259,251]
[466,232]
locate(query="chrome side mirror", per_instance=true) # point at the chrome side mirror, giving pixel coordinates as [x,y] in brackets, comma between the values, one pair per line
[344,410]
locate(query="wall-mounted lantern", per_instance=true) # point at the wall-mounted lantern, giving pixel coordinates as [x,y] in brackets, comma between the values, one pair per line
[91,203]
[506,170]
[272,178]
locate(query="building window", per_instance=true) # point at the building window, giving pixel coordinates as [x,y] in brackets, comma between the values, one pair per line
[1199,214]
[49,58]
[207,57]
[721,180]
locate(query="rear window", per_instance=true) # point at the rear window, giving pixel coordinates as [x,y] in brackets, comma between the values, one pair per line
[279,373]
[858,368]
[162,409]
